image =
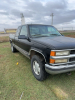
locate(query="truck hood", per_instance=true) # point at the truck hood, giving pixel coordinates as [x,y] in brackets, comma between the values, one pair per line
[57,42]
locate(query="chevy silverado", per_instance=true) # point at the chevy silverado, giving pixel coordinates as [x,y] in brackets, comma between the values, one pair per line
[49,51]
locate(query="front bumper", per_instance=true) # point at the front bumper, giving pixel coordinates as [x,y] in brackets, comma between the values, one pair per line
[59,69]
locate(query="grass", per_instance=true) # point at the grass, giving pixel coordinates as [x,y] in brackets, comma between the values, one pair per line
[16,79]
[68,33]
[4,39]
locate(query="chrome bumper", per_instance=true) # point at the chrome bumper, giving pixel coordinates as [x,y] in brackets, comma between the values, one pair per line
[59,69]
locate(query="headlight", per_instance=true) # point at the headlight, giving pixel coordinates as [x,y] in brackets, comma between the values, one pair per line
[61,61]
[59,53]
[62,53]
[52,61]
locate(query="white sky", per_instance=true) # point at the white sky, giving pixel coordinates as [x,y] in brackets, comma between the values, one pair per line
[37,11]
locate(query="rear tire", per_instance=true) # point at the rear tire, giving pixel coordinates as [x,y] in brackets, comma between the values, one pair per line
[13,49]
[38,68]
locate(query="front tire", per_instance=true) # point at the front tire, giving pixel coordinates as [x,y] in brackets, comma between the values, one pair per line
[38,69]
[12,48]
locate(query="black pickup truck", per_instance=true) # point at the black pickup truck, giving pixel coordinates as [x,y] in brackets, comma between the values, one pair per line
[49,51]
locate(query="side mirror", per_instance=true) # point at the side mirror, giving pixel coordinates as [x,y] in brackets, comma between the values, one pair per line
[22,37]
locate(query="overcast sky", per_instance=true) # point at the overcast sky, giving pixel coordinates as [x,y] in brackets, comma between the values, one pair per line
[37,11]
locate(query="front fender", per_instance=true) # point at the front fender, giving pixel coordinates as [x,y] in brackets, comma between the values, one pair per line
[39,51]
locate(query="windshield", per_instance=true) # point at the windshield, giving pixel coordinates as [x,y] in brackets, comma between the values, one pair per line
[43,31]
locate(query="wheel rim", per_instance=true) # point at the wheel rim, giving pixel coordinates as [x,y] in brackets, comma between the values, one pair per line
[36,67]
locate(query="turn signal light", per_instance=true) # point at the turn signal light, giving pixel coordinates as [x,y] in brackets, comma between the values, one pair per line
[52,61]
[52,53]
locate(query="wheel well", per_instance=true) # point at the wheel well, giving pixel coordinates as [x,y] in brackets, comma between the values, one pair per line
[36,53]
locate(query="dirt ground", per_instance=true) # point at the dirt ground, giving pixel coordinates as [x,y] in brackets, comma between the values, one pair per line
[71,36]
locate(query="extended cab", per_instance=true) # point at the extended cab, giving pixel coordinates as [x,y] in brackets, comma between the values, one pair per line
[48,50]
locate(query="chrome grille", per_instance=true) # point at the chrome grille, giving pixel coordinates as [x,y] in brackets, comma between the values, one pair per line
[72,52]
[72,59]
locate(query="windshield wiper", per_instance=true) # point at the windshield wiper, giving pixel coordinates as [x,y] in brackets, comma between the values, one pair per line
[55,34]
[40,35]
[36,34]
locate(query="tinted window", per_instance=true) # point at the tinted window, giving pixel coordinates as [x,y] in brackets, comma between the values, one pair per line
[23,31]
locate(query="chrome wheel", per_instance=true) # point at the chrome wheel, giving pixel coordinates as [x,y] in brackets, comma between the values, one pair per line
[36,67]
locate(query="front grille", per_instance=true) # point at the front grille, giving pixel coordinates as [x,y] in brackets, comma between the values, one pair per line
[72,59]
[72,52]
